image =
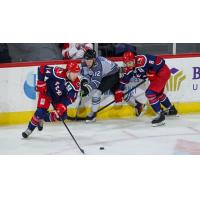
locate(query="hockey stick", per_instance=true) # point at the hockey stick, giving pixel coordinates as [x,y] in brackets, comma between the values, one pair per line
[82,151]
[78,108]
[77,118]
[130,90]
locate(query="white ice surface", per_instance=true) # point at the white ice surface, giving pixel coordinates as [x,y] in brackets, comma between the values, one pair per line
[180,135]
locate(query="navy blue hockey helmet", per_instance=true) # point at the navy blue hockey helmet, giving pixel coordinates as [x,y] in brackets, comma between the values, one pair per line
[90,54]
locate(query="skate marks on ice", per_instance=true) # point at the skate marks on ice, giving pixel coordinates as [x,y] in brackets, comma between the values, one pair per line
[180,135]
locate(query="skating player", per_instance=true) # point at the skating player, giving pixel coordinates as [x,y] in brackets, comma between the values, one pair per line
[157,72]
[135,98]
[56,86]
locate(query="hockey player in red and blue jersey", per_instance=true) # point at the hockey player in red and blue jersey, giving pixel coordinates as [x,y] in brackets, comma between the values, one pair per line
[157,72]
[56,86]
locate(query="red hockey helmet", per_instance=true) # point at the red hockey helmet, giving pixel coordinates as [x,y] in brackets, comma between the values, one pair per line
[73,67]
[128,56]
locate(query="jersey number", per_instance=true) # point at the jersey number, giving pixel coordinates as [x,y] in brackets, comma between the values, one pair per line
[97,73]
[57,88]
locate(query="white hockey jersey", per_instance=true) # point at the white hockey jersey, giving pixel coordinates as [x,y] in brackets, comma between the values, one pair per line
[102,67]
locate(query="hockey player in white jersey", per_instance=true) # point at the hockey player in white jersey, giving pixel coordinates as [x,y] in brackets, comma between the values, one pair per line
[101,75]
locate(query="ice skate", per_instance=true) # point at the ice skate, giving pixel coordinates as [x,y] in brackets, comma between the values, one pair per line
[140,109]
[159,120]
[91,117]
[40,126]
[171,111]
[26,133]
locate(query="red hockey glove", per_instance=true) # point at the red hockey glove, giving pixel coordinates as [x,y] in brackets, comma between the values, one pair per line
[151,75]
[60,109]
[118,96]
[41,87]
[53,116]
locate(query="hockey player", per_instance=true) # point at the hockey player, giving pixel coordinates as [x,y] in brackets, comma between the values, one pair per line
[60,89]
[135,98]
[99,76]
[75,50]
[158,73]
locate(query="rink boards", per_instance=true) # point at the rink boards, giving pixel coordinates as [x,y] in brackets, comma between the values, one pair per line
[19,99]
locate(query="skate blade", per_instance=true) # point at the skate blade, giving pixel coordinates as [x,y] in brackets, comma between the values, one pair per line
[158,124]
[171,116]
[90,121]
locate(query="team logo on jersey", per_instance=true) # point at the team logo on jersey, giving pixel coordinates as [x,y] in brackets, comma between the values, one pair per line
[68,86]
[177,77]
[29,85]
[139,61]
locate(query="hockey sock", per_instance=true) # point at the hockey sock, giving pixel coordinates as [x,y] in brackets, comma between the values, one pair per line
[153,100]
[38,115]
[164,100]
[96,98]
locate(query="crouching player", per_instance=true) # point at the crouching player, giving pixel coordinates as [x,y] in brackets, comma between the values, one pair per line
[99,75]
[136,98]
[56,86]
[158,73]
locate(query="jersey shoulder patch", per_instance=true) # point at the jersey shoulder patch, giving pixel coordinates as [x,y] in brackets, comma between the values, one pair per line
[75,84]
[141,60]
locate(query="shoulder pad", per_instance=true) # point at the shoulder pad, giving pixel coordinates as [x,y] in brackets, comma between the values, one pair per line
[141,60]
[101,58]
[159,60]
[60,72]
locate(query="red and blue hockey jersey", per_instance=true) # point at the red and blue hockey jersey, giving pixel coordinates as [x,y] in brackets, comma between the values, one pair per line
[59,88]
[144,64]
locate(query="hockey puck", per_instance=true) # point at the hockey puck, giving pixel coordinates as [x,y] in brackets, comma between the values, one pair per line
[101,148]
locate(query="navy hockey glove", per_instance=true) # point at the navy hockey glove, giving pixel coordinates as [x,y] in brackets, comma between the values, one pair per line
[83,82]
[85,87]
[139,73]
[85,90]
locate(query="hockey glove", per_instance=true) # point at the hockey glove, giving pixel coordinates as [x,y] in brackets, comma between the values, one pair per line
[119,96]
[59,112]
[83,82]
[85,88]
[139,73]
[60,109]
[41,87]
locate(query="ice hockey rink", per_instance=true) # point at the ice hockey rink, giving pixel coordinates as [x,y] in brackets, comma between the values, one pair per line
[179,136]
